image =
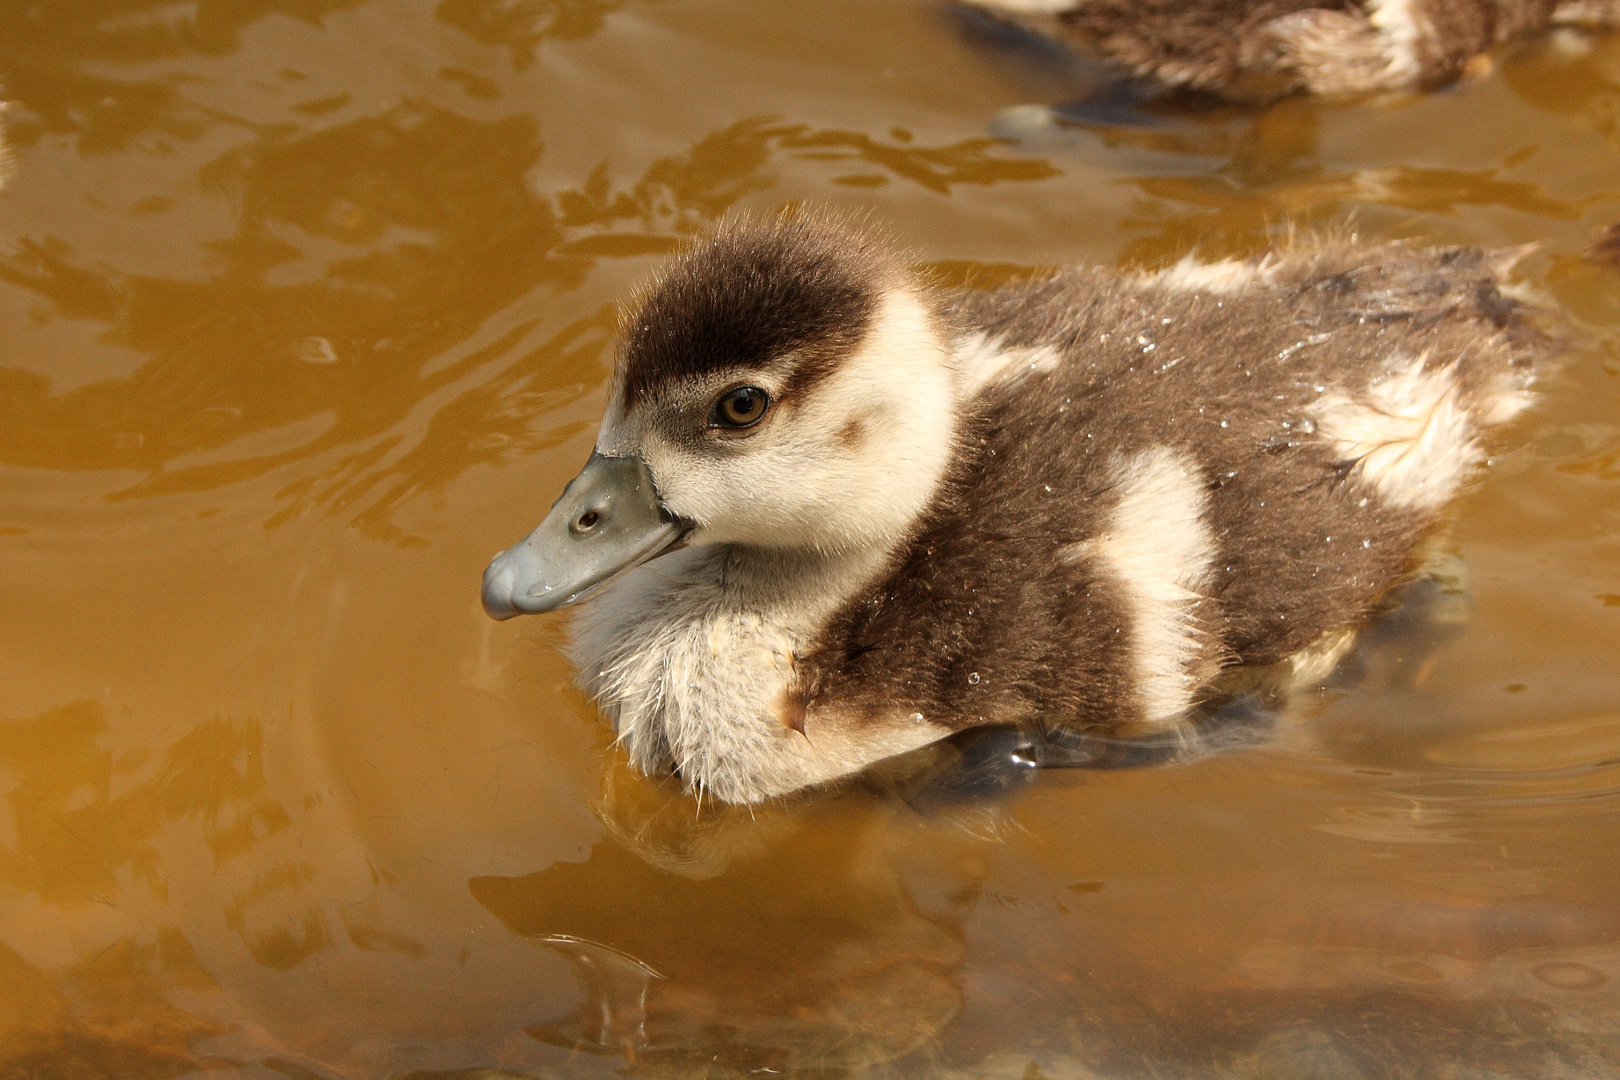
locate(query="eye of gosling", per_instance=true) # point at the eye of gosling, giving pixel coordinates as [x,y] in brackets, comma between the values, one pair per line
[740,408]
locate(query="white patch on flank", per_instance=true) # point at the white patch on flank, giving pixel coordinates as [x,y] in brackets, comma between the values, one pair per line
[1225,277]
[982,360]
[1398,23]
[1160,549]
[1410,435]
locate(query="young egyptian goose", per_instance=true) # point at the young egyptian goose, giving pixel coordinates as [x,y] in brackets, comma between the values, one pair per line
[834,514]
[1267,48]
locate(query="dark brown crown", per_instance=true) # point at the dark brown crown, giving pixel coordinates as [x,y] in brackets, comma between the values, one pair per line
[753,293]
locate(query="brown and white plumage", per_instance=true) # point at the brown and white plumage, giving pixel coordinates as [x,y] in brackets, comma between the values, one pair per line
[1264,48]
[1071,502]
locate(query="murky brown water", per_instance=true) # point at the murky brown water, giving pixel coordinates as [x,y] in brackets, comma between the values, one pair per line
[306,307]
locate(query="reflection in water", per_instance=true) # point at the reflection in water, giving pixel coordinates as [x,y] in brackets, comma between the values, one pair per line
[782,941]
[613,1017]
[835,935]
[819,951]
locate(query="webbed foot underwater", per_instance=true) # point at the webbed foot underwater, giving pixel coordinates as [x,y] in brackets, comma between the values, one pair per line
[835,514]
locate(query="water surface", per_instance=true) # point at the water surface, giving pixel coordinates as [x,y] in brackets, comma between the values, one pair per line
[307,310]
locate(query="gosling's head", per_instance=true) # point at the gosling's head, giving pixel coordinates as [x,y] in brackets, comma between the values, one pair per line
[782,384]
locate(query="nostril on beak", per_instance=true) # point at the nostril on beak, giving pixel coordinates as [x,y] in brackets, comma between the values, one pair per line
[587,521]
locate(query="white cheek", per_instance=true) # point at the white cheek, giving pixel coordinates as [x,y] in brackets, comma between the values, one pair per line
[850,466]
[693,486]
[790,489]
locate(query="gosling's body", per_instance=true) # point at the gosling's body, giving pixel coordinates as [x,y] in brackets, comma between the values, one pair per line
[1073,501]
[1265,48]
[1159,481]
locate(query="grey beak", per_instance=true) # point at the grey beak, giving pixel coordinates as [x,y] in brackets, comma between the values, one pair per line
[608,520]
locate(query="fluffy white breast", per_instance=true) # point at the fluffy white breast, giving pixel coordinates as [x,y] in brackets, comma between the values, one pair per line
[693,656]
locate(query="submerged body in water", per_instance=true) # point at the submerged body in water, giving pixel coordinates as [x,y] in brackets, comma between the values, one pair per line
[835,515]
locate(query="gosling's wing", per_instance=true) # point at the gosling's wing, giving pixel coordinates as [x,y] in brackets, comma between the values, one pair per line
[1165,473]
